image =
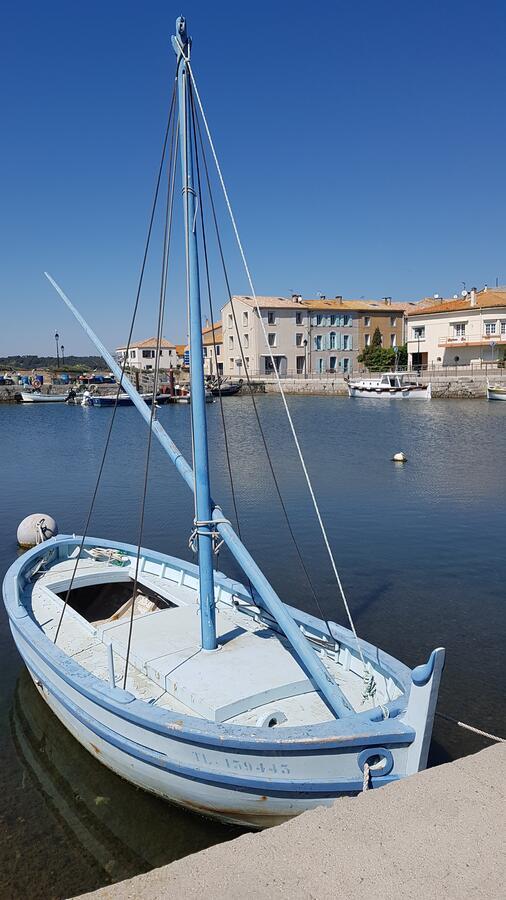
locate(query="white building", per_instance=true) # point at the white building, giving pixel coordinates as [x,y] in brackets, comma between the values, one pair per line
[463,331]
[142,355]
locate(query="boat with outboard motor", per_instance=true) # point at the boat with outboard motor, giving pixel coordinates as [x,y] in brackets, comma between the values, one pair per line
[390,386]
[39,397]
[209,692]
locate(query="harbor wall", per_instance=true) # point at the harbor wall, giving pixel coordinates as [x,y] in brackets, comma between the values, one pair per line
[457,387]
[436,834]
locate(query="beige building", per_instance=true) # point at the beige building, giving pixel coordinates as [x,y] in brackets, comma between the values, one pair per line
[462,331]
[142,355]
[305,337]
[212,339]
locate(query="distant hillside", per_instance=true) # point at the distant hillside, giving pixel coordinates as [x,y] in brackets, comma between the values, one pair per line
[49,362]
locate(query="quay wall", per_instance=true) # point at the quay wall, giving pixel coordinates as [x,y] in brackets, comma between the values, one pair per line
[460,387]
[436,834]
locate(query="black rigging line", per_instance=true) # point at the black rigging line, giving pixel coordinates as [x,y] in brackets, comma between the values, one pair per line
[159,332]
[252,393]
[211,311]
[123,367]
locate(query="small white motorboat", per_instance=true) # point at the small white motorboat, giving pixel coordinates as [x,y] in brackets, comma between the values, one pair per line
[38,397]
[496,391]
[390,386]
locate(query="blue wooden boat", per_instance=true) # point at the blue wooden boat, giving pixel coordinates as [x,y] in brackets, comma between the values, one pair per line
[213,694]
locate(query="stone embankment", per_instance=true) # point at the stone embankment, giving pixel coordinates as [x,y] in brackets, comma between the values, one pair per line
[456,387]
[437,834]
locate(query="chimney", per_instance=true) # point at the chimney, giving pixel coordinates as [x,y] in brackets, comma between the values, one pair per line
[473,296]
[339,296]
[297,298]
[485,287]
[387,301]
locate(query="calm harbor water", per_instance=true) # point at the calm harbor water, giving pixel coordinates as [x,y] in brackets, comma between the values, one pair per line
[420,546]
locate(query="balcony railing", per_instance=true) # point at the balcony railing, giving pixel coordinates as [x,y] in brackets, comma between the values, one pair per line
[471,339]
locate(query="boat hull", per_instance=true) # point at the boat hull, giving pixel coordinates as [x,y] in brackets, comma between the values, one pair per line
[496,393]
[251,776]
[28,397]
[385,393]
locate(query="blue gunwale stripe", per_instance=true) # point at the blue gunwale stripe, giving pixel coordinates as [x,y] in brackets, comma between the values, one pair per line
[230,782]
[168,729]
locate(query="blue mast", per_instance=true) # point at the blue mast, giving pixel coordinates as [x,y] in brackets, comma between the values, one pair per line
[203,524]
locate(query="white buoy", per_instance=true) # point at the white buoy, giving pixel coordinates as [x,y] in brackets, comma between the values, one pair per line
[399,457]
[35,529]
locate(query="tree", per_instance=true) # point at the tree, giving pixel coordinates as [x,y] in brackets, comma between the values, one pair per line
[377,358]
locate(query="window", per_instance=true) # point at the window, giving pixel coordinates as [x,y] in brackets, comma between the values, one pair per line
[393,340]
[333,320]
[217,349]
[230,320]
[300,360]
[490,327]
[298,339]
[346,364]
[367,340]
[503,327]
[148,354]
[245,319]
[318,342]
[459,329]
[231,363]
[246,360]
[204,352]
[332,340]
[346,342]
[133,354]
[393,321]
[332,364]
[320,366]
[367,324]
[298,318]
[419,332]
[245,341]
[319,320]
[231,342]
[271,318]
[348,321]
[271,337]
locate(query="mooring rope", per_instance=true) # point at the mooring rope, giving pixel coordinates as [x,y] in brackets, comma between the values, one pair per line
[485,734]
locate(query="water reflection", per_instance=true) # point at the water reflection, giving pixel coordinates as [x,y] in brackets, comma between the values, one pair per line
[121,829]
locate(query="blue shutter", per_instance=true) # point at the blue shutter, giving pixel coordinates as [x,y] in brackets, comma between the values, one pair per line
[350,342]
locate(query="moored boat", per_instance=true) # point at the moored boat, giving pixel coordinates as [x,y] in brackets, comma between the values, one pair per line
[38,397]
[496,391]
[211,693]
[390,386]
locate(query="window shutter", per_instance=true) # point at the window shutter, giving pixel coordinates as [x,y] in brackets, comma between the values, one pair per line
[313,320]
[350,342]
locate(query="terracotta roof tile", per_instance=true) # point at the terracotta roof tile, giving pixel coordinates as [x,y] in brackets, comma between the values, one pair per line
[288,303]
[148,344]
[484,300]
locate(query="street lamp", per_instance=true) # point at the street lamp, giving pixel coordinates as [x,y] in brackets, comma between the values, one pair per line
[62,355]
[57,337]
[305,357]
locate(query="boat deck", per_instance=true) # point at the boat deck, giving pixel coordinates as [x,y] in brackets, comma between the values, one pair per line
[167,666]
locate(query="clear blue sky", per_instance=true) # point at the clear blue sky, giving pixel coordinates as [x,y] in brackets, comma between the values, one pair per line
[363,144]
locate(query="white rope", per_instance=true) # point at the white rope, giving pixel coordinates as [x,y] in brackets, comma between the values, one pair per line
[485,734]
[278,380]
[366,783]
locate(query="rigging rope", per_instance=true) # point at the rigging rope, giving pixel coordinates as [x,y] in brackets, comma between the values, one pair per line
[278,380]
[211,313]
[124,364]
[159,333]
[485,734]
[252,396]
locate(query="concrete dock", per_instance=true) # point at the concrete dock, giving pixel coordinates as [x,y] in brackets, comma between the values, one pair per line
[437,834]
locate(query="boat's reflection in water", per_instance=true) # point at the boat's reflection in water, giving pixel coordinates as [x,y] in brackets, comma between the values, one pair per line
[125,830]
